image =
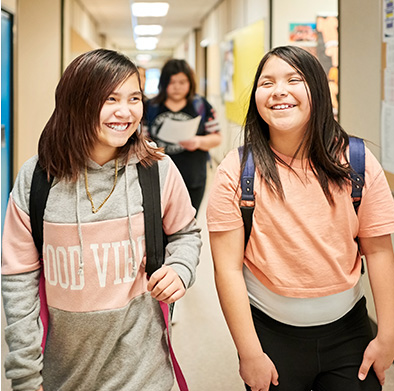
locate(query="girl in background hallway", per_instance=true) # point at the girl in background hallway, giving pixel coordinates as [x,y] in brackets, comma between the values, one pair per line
[177,100]
[293,299]
[106,329]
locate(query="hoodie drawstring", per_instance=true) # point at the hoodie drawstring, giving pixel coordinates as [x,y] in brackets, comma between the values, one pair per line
[81,264]
[134,273]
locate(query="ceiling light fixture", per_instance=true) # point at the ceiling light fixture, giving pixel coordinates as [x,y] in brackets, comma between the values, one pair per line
[146,43]
[149,9]
[148,29]
[143,58]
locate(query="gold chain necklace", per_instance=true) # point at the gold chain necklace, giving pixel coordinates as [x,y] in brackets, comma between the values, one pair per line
[94,210]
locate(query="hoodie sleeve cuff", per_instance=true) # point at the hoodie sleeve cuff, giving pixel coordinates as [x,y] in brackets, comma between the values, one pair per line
[183,272]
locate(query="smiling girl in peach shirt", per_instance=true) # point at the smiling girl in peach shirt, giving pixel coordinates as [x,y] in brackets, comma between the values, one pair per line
[293,299]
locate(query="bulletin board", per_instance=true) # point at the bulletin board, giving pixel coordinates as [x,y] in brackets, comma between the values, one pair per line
[242,51]
[387,116]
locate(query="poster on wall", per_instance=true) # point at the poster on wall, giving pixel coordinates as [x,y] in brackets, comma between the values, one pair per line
[303,35]
[328,53]
[320,39]
[227,79]
[388,20]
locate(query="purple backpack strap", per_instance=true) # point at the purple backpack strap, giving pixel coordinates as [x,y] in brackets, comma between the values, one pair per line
[247,183]
[357,161]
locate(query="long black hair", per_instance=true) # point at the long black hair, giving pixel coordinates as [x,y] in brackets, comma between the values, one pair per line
[324,142]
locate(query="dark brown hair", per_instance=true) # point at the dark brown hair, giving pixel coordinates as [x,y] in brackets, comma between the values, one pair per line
[170,68]
[324,142]
[72,130]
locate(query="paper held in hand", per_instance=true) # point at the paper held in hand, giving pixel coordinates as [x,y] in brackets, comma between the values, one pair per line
[175,131]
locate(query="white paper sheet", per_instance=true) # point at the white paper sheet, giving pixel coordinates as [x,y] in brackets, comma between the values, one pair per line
[389,85]
[390,54]
[175,131]
[388,137]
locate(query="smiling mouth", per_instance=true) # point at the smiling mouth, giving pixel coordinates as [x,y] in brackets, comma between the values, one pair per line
[282,107]
[119,127]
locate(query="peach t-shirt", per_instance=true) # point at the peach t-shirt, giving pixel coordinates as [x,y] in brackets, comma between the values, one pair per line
[302,247]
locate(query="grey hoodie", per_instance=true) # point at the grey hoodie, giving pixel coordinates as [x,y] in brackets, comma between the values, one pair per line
[106,331]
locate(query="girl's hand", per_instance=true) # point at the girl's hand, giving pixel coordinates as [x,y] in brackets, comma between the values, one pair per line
[380,356]
[165,285]
[192,144]
[258,372]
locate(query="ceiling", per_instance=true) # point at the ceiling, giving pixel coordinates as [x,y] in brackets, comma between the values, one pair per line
[115,22]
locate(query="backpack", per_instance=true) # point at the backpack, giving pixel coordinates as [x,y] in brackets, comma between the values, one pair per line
[155,239]
[356,160]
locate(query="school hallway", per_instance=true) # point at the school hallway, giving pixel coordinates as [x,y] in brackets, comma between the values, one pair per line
[200,337]
[223,41]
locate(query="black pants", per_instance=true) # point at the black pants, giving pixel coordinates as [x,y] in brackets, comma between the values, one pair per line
[318,358]
[196,196]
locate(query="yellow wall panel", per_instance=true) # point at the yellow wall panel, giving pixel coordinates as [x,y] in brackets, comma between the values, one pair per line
[248,49]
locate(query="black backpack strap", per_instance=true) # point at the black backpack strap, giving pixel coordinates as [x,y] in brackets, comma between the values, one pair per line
[247,183]
[39,191]
[154,239]
[357,162]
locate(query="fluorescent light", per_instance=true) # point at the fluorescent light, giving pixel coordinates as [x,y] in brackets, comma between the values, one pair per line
[149,9]
[143,57]
[148,29]
[146,43]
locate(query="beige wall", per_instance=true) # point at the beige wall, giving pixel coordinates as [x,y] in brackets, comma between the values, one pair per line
[37,60]
[360,70]
[80,32]
[9,5]
[360,78]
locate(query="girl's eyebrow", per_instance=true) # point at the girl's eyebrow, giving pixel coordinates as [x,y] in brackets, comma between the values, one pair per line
[133,93]
[268,76]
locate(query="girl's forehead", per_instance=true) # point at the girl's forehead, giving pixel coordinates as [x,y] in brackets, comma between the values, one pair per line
[179,76]
[278,64]
[277,67]
[129,80]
